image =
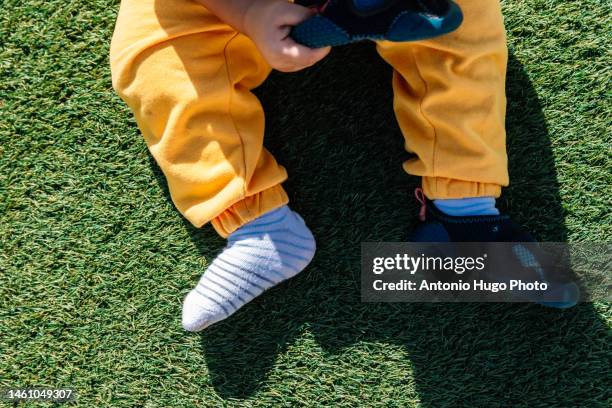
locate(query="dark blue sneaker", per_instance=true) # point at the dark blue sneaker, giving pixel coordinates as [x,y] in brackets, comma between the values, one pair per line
[339,22]
[526,260]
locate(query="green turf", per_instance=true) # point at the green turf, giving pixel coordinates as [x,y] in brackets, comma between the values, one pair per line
[94,260]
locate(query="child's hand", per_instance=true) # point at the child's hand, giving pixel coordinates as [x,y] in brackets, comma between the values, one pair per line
[268,23]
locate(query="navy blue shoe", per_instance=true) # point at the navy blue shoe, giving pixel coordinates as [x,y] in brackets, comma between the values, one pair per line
[339,22]
[525,261]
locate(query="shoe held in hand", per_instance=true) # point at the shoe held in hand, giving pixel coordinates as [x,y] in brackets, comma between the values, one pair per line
[339,22]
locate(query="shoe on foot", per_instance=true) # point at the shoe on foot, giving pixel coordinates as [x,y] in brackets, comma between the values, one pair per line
[436,226]
[259,255]
[339,22]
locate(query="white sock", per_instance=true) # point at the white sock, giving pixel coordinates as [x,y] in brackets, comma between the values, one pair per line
[259,255]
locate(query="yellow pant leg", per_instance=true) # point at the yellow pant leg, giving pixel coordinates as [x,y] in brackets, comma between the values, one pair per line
[450,104]
[187,77]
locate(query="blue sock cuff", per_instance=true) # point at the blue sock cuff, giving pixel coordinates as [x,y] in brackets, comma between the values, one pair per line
[467,207]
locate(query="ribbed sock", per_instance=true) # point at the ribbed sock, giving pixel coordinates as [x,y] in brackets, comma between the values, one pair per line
[467,207]
[259,255]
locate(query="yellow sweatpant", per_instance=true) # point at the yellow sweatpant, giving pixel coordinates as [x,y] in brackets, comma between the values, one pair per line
[187,76]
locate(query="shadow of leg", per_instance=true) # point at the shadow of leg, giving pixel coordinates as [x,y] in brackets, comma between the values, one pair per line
[334,129]
[533,194]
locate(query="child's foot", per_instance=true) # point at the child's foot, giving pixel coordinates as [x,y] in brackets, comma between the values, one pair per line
[259,255]
[437,226]
[345,21]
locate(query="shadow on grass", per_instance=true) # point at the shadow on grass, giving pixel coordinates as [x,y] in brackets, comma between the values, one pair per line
[333,128]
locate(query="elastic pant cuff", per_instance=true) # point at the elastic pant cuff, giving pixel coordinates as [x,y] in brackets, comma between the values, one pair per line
[436,188]
[248,209]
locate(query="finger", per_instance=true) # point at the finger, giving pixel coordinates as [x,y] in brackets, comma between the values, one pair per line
[294,15]
[293,67]
[317,54]
[289,68]
[302,55]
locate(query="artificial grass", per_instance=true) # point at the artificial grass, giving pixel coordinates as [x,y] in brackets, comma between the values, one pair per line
[94,259]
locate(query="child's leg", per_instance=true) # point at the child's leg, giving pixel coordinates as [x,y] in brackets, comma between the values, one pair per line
[187,77]
[450,103]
